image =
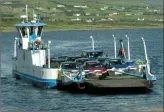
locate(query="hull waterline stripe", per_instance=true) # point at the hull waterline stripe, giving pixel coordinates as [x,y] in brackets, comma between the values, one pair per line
[33,77]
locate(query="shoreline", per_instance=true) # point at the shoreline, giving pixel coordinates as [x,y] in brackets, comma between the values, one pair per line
[12,29]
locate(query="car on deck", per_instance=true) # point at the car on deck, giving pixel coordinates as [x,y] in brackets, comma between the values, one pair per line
[94,68]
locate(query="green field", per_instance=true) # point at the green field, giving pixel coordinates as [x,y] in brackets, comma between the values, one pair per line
[85,14]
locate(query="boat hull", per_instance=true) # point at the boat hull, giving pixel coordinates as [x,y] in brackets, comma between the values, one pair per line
[35,81]
[117,85]
[30,66]
[73,87]
[90,89]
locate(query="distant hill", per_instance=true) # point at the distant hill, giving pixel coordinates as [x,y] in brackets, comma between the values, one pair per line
[130,2]
[70,14]
[154,2]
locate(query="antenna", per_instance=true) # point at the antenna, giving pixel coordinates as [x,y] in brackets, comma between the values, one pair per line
[26,13]
[38,15]
[34,17]
[33,12]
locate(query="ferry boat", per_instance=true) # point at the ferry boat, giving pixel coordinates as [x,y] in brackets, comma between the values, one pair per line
[30,54]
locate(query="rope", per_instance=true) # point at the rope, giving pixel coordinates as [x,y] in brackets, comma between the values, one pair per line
[91,80]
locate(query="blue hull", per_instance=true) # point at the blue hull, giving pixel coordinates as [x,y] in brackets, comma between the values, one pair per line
[45,83]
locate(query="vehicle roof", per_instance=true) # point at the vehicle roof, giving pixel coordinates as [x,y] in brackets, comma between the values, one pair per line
[69,62]
[115,59]
[94,61]
[102,58]
[82,59]
[89,51]
[74,56]
[59,59]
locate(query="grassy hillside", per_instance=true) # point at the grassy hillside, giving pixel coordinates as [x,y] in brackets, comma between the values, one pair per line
[85,14]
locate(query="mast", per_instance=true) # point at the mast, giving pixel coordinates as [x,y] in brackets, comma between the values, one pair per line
[128,47]
[114,46]
[146,58]
[15,47]
[48,50]
[148,73]
[93,47]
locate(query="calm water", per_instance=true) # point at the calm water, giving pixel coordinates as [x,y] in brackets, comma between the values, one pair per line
[20,97]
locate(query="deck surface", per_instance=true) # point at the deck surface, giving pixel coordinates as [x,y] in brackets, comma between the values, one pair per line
[116,81]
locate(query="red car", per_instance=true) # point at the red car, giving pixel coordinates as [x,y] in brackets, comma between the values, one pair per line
[94,67]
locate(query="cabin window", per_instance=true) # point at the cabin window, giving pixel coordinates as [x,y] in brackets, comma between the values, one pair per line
[32,33]
[40,30]
[31,30]
[23,31]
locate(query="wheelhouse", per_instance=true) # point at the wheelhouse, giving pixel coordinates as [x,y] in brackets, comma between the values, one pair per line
[29,33]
